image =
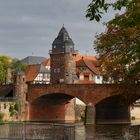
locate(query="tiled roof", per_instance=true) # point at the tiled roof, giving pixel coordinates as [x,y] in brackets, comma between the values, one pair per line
[82,61]
[78,57]
[87,61]
[32,72]
[46,62]
[32,60]
[91,66]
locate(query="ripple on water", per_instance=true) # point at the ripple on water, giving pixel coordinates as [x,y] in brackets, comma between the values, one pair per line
[108,132]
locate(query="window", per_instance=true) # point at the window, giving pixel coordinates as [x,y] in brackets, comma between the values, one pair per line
[40,77]
[98,77]
[54,70]
[23,79]
[91,77]
[58,70]
[84,69]
[66,74]
[81,77]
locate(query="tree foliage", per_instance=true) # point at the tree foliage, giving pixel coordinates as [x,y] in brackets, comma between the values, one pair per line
[1,116]
[13,109]
[119,48]
[18,65]
[7,62]
[97,7]
[4,62]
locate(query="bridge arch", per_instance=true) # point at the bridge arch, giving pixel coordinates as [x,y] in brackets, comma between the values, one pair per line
[98,95]
[53,107]
[113,110]
[86,93]
[57,97]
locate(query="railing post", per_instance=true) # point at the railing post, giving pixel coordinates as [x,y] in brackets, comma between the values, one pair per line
[74,132]
[65,136]
[53,132]
[24,131]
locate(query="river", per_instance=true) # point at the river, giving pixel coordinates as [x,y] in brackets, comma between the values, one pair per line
[52,131]
[108,132]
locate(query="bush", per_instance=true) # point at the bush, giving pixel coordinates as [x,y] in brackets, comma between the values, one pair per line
[16,107]
[1,116]
[13,109]
[133,118]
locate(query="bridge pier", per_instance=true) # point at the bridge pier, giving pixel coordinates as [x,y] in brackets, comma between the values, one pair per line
[90,114]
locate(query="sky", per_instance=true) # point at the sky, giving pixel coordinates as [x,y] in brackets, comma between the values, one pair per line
[28,27]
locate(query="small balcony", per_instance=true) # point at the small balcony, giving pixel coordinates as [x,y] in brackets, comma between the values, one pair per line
[71,51]
[75,52]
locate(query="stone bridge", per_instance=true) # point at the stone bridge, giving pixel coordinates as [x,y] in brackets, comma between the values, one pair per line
[88,93]
[55,101]
[105,97]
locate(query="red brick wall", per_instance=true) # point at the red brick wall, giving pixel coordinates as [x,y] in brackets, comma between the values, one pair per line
[88,93]
[45,112]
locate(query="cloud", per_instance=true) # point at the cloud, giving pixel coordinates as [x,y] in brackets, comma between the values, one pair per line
[29,26]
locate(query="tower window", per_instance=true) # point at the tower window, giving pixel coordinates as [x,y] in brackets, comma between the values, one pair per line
[58,70]
[81,77]
[54,46]
[98,77]
[54,70]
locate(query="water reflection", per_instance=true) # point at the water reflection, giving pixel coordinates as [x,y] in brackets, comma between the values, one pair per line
[109,132]
[52,131]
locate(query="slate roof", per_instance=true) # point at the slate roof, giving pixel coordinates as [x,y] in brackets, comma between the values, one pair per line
[63,38]
[32,60]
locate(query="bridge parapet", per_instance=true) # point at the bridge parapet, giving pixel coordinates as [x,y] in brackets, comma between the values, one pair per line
[8,99]
[88,93]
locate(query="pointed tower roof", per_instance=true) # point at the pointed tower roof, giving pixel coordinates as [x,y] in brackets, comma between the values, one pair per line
[63,38]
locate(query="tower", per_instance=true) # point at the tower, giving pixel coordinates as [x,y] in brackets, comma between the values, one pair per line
[20,93]
[63,66]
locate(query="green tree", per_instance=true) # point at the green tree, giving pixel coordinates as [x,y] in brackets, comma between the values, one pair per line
[97,7]
[7,62]
[13,109]
[119,48]
[1,116]
[4,62]
[18,65]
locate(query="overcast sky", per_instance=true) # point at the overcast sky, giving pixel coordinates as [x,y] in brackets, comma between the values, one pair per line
[28,27]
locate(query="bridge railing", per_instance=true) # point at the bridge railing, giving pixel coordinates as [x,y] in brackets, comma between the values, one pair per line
[36,131]
[8,99]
